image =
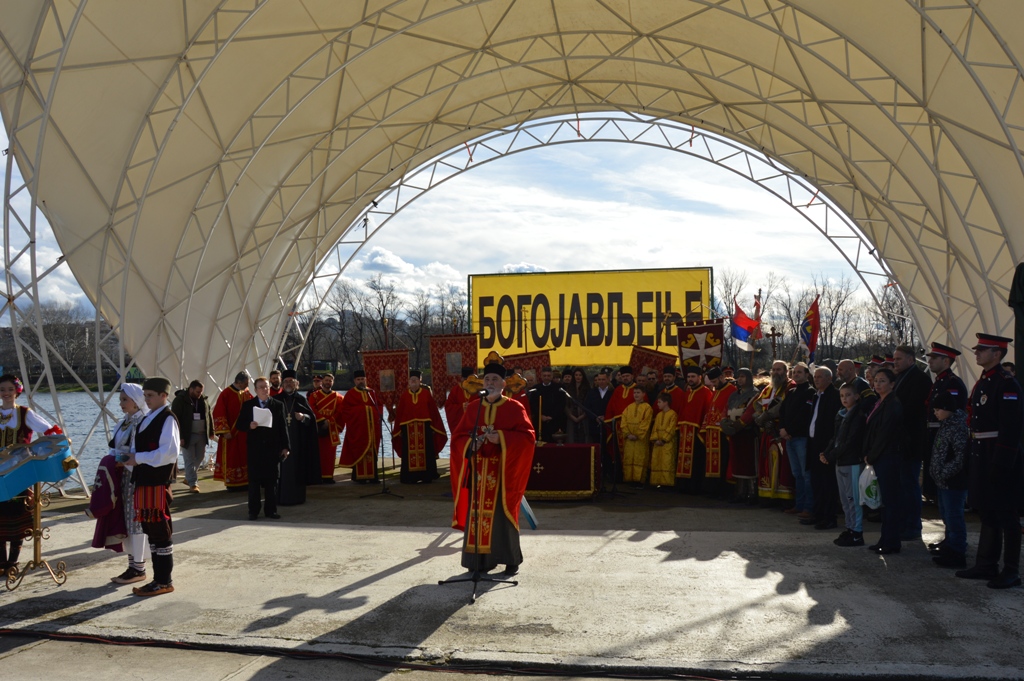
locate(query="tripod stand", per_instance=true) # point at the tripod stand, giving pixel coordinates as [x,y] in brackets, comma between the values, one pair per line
[384,489]
[478,574]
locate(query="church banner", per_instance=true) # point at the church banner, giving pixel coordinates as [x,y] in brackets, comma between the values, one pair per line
[700,343]
[530,362]
[585,318]
[643,360]
[448,354]
[387,372]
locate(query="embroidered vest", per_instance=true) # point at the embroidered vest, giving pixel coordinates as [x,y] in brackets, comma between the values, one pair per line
[146,441]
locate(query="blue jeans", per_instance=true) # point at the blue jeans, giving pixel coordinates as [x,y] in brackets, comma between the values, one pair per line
[910,493]
[796,448]
[951,506]
[848,480]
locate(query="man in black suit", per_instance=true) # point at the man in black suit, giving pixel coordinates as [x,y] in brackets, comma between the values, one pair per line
[823,426]
[266,448]
[913,387]
[594,406]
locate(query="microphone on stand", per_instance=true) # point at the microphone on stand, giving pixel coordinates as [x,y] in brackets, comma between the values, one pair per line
[482,393]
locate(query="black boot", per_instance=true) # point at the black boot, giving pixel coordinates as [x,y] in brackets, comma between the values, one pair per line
[986,566]
[1010,576]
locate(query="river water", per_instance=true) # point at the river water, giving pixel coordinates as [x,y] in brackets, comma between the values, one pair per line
[80,411]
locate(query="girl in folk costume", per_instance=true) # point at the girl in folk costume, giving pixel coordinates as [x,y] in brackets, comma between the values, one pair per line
[17,424]
[636,426]
[133,404]
[663,438]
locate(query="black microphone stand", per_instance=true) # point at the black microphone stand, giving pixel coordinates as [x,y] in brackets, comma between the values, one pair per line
[616,465]
[384,489]
[477,575]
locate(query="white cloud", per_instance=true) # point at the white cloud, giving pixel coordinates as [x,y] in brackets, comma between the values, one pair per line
[521,268]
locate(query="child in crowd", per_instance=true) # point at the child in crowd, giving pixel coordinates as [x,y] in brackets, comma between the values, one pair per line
[844,450]
[663,438]
[636,427]
[949,470]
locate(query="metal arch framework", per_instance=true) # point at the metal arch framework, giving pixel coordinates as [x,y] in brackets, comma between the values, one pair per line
[909,120]
[785,184]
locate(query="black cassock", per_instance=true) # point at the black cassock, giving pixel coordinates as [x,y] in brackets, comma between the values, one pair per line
[553,399]
[263,449]
[305,452]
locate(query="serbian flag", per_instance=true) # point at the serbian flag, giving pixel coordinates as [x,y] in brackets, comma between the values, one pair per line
[744,329]
[809,328]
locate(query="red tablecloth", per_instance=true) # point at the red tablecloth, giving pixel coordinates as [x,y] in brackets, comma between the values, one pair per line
[565,472]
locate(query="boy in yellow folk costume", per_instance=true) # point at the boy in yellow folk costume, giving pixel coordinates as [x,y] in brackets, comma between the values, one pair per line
[636,425]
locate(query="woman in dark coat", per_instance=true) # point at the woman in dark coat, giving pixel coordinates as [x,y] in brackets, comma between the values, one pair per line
[883,449]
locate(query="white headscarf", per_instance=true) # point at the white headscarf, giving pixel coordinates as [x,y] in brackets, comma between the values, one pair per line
[134,393]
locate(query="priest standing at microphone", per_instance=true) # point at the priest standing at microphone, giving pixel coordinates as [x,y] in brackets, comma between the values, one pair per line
[496,433]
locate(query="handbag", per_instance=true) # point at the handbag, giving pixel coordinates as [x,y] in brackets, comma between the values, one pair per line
[870,495]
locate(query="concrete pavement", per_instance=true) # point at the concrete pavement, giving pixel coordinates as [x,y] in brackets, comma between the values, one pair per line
[654,583]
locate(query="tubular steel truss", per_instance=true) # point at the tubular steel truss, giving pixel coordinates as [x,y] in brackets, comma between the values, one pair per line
[784,183]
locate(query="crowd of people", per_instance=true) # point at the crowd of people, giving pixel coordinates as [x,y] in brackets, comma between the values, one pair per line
[799,437]
[802,437]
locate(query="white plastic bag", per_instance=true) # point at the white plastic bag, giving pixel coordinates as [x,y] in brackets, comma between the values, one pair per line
[869,493]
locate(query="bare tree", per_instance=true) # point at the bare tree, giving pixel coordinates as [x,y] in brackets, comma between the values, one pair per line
[384,307]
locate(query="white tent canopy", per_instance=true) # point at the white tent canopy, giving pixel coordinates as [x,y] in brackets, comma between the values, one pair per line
[197,159]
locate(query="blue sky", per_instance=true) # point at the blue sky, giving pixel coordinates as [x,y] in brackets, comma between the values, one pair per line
[597,205]
[586,206]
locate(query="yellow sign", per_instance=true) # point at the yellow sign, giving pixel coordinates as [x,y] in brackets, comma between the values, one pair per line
[585,318]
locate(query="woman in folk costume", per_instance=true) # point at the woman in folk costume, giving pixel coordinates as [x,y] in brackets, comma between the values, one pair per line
[17,424]
[133,404]
[664,445]
[635,426]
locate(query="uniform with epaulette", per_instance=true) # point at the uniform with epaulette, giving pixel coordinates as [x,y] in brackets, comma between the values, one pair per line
[996,469]
[945,382]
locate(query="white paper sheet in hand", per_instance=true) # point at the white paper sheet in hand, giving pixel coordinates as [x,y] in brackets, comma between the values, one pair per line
[263,417]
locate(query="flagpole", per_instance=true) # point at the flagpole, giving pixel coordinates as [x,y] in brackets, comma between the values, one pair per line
[758,305]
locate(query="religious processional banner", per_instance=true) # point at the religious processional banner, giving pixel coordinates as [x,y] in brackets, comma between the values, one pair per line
[700,343]
[585,318]
[531,363]
[643,360]
[448,354]
[387,372]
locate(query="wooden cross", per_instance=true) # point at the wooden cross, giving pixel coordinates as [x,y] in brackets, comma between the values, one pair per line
[773,338]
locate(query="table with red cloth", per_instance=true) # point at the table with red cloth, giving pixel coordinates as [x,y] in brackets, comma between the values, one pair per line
[564,472]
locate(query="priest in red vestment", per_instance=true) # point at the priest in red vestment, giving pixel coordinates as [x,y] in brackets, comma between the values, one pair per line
[677,394]
[231,464]
[276,381]
[774,475]
[361,413]
[716,460]
[496,434]
[458,398]
[418,436]
[326,404]
[621,398]
[691,460]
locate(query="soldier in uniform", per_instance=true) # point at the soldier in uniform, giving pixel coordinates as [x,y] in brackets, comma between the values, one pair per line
[940,361]
[996,468]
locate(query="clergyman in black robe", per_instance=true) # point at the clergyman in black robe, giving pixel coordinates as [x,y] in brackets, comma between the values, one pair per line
[305,452]
[548,402]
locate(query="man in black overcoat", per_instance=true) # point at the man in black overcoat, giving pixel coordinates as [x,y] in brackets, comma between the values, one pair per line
[823,426]
[266,447]
[913,386]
